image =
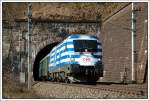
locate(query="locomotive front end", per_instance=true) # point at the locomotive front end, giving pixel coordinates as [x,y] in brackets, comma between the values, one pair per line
[88,66]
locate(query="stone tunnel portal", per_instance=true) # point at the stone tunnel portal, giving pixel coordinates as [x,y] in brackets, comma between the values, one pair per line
[41,54]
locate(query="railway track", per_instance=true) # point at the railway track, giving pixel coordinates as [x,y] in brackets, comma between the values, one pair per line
[135,90]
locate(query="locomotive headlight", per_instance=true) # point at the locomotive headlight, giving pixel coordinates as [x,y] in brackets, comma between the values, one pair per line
[99,59]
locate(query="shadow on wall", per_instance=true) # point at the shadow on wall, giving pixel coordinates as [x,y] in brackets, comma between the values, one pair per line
[146,73]
[41,54]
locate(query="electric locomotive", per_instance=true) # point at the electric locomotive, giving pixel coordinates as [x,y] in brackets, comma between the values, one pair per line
[77,59]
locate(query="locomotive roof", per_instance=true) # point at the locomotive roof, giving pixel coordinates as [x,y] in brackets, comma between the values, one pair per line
[81,35]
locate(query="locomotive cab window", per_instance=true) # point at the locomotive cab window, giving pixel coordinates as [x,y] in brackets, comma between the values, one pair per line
[85,45]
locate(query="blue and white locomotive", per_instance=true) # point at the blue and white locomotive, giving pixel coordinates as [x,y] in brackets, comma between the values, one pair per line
[77,59]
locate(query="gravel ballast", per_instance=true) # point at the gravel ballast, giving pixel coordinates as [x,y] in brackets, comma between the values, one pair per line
[59,91]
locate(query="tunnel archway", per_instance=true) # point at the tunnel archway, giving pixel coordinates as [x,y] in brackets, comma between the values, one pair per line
[41,54]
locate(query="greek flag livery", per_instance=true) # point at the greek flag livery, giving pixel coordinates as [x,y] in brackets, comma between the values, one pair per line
[75,57]
[65,53]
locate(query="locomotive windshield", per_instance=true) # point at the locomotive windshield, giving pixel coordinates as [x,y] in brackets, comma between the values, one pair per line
[85,45]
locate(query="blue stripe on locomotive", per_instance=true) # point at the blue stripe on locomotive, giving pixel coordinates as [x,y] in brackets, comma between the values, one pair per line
[54,54]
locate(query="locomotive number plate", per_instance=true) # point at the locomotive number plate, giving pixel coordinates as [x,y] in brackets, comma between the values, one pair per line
[86,59]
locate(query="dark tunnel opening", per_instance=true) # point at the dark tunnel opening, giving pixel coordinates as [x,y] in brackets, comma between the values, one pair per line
[146,73]
[41,54]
